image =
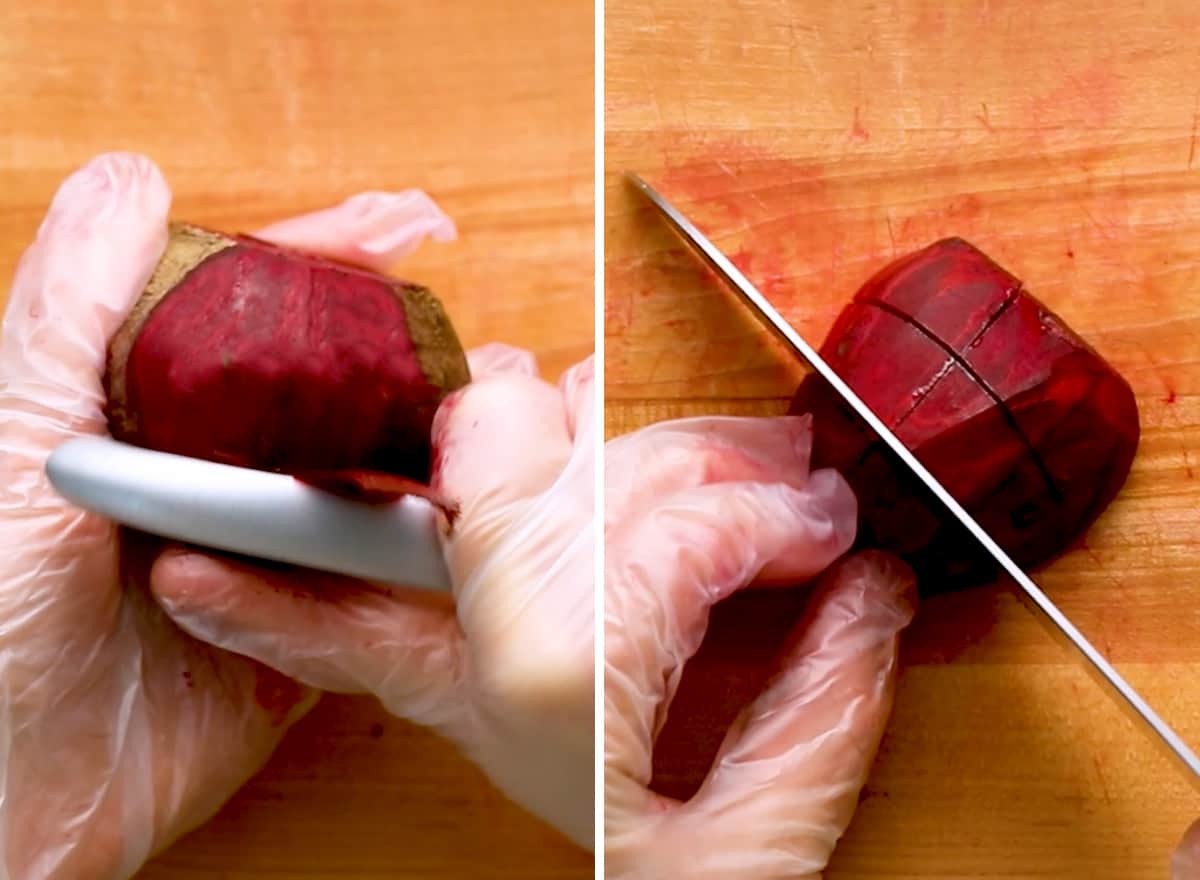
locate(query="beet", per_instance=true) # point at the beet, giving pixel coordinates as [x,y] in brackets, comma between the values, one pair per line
[1028,427]
[245,353]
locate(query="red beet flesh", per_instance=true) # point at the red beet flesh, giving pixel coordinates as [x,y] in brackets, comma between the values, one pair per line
[1025,424]
[254,355]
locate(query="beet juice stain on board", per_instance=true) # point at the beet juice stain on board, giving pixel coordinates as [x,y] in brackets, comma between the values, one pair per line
[825,149]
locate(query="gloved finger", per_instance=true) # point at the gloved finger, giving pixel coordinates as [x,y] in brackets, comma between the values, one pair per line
[372,229]
[833,503]
[540,572]
[1185,862]
[578,388]
[94,252]
[663,575]
[498,359]
[521,422]
[785,784]
[677,454]
[332,633]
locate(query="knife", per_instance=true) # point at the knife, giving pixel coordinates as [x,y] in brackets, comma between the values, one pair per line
[257,513]
[1059,625]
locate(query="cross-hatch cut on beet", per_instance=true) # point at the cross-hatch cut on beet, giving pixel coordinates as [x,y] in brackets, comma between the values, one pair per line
[1019,418]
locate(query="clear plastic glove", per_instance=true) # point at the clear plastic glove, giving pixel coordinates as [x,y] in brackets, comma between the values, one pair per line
[1185,862]
[118,732]
[504,668]
[694,511]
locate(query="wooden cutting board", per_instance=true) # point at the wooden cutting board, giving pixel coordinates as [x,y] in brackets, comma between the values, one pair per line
[259,109]
[814,141]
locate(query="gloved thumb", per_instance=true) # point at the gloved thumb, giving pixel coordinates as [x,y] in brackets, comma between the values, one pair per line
[76,283]
[1185,863]
[94,252]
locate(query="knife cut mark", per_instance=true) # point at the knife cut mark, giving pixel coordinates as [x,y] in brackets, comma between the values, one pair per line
[962,363]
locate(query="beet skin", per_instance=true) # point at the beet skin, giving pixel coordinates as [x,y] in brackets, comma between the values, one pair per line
[249,354]
[1020,419]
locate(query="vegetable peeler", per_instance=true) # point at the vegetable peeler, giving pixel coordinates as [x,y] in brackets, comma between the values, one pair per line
[266,515]
[1058,624]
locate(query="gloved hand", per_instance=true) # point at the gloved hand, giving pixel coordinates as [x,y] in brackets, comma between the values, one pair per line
[694,511]
[118,732]
[1185,862]
[505,669]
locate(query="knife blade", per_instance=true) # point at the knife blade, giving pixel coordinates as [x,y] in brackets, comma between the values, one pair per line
[266,515]
[1032,596]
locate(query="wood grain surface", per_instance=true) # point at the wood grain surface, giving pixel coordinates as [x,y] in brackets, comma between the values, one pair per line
[260,109]
[814,141]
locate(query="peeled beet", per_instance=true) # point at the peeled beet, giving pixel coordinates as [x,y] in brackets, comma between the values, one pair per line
[245,353]
[1030,429]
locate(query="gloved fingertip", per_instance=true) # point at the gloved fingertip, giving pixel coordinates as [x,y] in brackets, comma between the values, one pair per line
[830,490]
[578,389]
[578,377]
[496,358]
[1185,862]
[886,581]
[189,563]
[402,219]
[88,196]
[179,575]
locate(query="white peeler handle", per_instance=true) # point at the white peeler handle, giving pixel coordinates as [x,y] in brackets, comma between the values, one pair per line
[240,510]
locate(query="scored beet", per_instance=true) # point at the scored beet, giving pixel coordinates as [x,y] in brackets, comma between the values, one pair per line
[1027,426]
[245,353]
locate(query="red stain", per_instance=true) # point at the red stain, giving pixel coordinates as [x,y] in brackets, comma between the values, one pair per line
[951,625]
[776,219]
[772,216]
[618,315]
[931,21]
[1170,398]
[1091,554]
[965,207]
[705,171]
[858,131]
[276,693]
[441,437]
[683,328]
[1087,98]
[769,275]
[964,216]
[808,234]
[792,226]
